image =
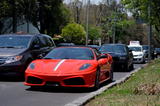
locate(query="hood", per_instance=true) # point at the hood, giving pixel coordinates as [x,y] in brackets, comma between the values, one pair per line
[137,53]
[10,51]
[117,54]
[60,67]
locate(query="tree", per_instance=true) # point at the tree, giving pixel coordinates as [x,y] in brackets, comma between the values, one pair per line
[74,33]
[94,33]
[48,16]
[139,9]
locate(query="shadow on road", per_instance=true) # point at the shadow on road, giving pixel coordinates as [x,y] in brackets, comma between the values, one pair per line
[51,89]
[11,78]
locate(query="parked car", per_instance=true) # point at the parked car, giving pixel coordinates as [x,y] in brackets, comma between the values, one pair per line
[122,57]
[94,46]
[145,50]
[18,50]
[157,52]
[65,44]
[70,67]
[138,53]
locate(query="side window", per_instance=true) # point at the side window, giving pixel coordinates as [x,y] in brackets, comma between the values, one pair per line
[49,42]
[35,42]
[43,41]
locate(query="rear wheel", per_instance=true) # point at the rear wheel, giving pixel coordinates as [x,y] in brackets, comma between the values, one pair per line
[132,67]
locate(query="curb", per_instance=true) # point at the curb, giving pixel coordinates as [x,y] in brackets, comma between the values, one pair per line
[82,100]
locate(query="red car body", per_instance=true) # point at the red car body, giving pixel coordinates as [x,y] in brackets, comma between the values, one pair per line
[68,73]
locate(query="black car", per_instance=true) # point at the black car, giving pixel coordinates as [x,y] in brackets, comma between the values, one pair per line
[122,56]
[18,50]
[146,49]
[157,52]
[94,46]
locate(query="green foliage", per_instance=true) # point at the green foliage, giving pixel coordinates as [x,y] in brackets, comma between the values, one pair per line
[48,16]
[124,94]
[139,8]
[74,33]
[94,32]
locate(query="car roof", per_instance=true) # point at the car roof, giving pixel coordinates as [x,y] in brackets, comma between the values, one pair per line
[76,47]
[23,34]
[18,34]
[115,44]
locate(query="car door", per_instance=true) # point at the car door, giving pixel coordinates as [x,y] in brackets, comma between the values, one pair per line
[104,66]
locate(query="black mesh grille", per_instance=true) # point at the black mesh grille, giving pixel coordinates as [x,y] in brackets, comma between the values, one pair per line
[34,80]
[74,81]
[52,83]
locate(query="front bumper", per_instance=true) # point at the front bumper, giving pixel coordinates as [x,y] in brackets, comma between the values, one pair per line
[138,60]
[70,80]
[16,68]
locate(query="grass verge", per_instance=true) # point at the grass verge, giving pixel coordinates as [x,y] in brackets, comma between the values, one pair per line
[141,89]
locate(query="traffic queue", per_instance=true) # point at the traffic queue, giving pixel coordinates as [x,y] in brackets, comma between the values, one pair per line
[36,58]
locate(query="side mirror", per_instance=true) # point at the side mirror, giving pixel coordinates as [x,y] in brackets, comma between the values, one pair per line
[102,56]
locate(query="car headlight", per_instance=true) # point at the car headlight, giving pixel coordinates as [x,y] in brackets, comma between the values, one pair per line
[13,59]
[85,66]
[32,66]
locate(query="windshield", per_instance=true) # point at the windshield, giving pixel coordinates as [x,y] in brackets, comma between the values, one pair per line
[136,49]
[71,53]
[14,41]
[145,47]
[112,49]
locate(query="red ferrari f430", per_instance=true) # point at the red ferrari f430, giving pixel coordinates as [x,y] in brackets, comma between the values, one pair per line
[70,67]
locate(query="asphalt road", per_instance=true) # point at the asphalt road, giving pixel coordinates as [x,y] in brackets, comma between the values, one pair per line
[14,93]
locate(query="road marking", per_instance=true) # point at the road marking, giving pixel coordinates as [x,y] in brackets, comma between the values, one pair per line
[58,65]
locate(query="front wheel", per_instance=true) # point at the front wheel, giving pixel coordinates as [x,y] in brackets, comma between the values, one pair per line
[97,84]
[125,67]
[111,74]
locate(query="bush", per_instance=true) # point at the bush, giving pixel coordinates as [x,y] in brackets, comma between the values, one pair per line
[74,33]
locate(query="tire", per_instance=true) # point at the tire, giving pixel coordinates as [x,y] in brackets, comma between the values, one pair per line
[111,74]
[97,84]
[125,67]
[132,67]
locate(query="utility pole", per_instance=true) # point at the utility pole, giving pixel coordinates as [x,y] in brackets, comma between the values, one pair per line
[87,18]
[28,15]
[114,31]
[149,31]
[14,16]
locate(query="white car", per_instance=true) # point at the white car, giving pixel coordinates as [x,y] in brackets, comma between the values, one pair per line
[138,53]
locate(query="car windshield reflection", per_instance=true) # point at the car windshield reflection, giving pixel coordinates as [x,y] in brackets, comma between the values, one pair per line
[14,41]
[71,53]
[112,49]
